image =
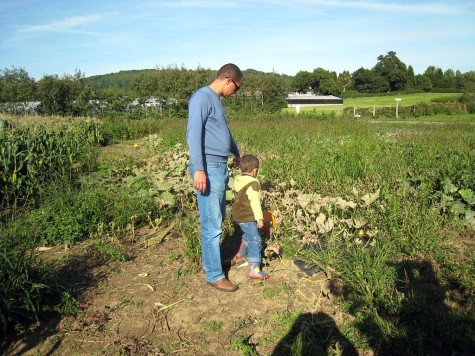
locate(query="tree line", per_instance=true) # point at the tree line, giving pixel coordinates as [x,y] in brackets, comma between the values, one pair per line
[389,74]
[168,89]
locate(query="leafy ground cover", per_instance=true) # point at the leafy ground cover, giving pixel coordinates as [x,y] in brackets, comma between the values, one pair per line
[378,215]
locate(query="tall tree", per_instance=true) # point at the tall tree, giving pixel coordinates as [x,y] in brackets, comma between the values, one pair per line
[469,82]
[448,80]
[393,70]
[436,76]
[16,86]
[423,83]
[411,78]
[369,81]
[145,85]
[459,80]
[324,82]
[330,86]
[273,92]
[303,82]
[82,93]
[344,79]
[68,95]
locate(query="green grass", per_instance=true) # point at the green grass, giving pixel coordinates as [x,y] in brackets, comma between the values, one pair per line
[406,99]
[409,290]
[398,287]
[379,101]
[214,325]
[454,118]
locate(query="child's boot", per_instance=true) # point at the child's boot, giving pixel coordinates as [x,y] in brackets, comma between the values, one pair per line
[254,272]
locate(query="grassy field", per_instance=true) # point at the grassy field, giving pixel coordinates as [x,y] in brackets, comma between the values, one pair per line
[385,211]
[378,101]
[377,204]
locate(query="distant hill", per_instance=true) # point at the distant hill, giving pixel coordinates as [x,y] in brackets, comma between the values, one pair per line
[120,79]
[123,79]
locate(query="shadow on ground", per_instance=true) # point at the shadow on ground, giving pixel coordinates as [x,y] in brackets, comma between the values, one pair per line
[75,275]
[314,334]
[424,324]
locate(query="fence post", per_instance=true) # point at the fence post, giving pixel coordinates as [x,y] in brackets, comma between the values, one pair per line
[397,106]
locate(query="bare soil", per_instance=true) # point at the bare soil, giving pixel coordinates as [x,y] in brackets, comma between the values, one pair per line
[159,304]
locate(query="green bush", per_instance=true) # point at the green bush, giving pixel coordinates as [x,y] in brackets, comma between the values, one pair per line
[74,216]
[22,284]
[469,100]
[69,215]
[119,128]
[189,230]
[107,251]
[420,109]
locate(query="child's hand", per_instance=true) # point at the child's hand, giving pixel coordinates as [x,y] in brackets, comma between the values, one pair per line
[260,223]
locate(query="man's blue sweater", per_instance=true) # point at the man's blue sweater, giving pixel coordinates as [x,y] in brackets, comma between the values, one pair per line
[207,135]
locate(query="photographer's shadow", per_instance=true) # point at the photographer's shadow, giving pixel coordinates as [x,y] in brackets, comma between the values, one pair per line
[314,334]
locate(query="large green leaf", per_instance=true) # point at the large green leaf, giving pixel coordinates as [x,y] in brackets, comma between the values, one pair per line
[468,196]
[470,218]
[167,198]
[448,186]
[446,199]
[457,207]
[162,185]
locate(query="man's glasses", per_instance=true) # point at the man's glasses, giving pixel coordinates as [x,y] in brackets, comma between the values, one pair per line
[237,86]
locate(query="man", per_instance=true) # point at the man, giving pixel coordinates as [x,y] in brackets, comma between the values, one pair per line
[210,143]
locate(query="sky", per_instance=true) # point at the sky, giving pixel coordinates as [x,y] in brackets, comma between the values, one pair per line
[58,37]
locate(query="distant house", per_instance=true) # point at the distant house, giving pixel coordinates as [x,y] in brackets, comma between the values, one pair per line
[310,99]
[153,102]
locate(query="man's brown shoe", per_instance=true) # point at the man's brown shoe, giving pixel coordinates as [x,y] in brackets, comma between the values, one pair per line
[223,285]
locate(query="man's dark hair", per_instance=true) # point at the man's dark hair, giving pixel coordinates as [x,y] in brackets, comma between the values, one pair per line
[230,71]
[248,162]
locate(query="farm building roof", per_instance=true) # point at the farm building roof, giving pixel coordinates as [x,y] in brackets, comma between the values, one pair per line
[310,99]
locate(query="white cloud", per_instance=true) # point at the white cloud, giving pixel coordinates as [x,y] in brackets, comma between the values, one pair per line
[429,8]
[67,23]
[198,4]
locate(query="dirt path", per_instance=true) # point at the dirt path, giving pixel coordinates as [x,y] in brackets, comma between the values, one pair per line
[157,304]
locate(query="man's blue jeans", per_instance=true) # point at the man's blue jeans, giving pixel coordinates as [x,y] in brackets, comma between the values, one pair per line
[252,243]
[212,208]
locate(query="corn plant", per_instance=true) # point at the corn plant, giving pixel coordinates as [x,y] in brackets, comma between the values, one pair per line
[20,294]
[29,158]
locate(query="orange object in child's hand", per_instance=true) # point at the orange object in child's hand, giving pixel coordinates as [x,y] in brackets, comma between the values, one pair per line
[269,219]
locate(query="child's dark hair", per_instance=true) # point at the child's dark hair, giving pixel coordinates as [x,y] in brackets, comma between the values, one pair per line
[248,163]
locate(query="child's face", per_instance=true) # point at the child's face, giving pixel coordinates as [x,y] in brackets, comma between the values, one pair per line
[254,172]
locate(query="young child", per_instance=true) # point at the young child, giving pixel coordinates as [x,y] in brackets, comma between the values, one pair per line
[247,213]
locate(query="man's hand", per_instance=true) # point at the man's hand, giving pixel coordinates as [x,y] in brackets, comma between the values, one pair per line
[260,223]
[237,161]
[199,181]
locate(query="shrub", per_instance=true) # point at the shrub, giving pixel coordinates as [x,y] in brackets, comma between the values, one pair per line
[69,215]
[469,100]
[32,158]
[125,129]
[22,283]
